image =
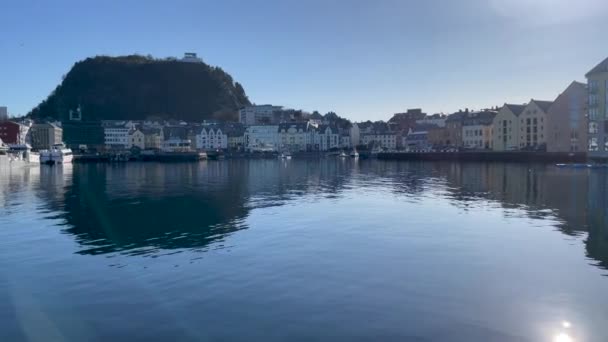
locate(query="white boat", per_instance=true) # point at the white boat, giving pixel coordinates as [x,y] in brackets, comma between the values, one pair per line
[285,155]
[354,154]
[342,155]
[59,154]
[21,155]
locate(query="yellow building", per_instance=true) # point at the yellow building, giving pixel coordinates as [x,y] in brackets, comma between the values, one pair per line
[533,125]
[137,139]
[506,128]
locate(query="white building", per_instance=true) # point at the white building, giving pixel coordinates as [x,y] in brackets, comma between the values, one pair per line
[326,138]
[386,140]
[296,137]
[116,134]
[477,130]
[345,141]
[258,115]
[176,145]
[210,138]
[262,138]
[355,135]
[137,139]
[3,113]
[191,57]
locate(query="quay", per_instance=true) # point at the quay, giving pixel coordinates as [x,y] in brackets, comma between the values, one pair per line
[515,156]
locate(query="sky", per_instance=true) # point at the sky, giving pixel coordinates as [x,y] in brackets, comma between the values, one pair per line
[363,59]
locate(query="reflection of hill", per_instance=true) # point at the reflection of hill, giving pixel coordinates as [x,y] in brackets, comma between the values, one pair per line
[143,208]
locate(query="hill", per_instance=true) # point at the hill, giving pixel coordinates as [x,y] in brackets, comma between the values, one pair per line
[138,87]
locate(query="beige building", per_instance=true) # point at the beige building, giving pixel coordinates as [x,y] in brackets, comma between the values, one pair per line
[506,127]
[597,98]
[567,120]
[477,130]
[45,135]
[153,138]
[137,139]
[533,125]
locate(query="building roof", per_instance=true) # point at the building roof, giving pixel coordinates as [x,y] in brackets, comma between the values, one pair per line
[298,125]
[544,105]
[602,67]
[479,118]
[515,108]
[150,130]
[455,117]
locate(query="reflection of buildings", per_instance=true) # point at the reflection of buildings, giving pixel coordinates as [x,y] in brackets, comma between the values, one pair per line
[144,208]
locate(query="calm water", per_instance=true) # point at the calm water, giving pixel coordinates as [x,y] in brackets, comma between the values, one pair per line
[304,251]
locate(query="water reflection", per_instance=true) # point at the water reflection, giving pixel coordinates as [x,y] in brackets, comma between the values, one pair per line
[146,208]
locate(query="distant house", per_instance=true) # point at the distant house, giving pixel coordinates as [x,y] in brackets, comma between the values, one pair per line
[259,115]
[153,138]
[191,57]
[477,129]
[211,137]
[137,139]
[261,138]
[295,137]
[417,138]
[533,125]
[567,127]
[506,127]
[325,138]
[116,134]
[453,125]
[13,132]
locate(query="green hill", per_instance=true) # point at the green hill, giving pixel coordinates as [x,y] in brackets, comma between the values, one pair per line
[137,87]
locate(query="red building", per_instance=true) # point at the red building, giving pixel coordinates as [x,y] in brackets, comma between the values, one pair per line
[9,132]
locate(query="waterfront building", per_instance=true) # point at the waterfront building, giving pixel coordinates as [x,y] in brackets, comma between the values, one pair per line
[532,132]
[261,138]
[477,129]
[83,134]
[14,132]
[176,145]
[236,135]
[44,135]
[259,115]
[385,140]
[137,139]
[506,127]
[325,138]
[295,137]
[597,102]
[211,137]
[116,134]
[437,136]
[345,141]
[453,125]
[153,138]
[355,134]
[567,120]
[417,138]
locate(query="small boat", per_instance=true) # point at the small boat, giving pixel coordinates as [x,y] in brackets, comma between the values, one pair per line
[24,154]
[354,154]
[342,155]
[285,155]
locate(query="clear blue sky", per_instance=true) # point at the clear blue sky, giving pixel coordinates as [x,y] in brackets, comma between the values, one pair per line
[360,58]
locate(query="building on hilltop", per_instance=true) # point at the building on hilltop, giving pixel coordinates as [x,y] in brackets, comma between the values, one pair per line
[191,57]
[567,120]
[406,121]
[597,103]
[506,127]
